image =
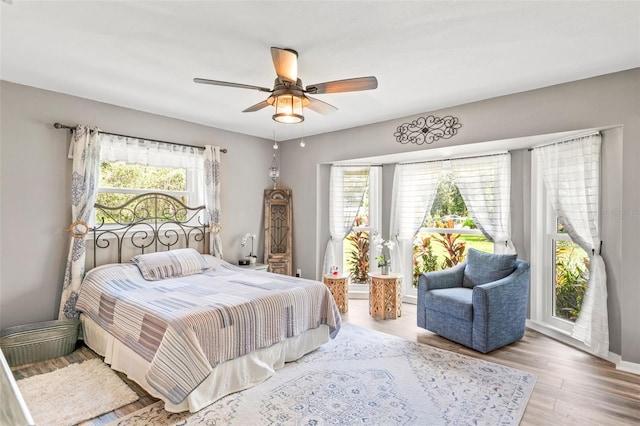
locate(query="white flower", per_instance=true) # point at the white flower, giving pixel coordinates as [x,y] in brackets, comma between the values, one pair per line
[246,238]
[380,243]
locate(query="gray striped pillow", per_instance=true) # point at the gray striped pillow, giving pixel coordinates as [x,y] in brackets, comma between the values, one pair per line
[167,264]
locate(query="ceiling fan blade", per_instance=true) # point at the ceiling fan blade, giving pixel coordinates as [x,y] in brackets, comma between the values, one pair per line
[319,106]
[285,61]
[346,85]
[228,84]
[257,106]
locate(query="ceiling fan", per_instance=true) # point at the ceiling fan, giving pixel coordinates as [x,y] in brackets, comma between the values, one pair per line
[288,95]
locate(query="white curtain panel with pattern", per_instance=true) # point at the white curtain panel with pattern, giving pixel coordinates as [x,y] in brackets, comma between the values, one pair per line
[347,187]
[212,198]
[485,185]
[414,190]
[85,151]
[571,175]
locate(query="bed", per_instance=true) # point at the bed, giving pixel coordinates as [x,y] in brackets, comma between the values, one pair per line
[188,327]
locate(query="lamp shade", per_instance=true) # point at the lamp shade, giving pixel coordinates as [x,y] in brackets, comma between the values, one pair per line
[288,109]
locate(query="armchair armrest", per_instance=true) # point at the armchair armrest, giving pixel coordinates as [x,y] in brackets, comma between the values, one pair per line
[448,278]
[500,309]
[509,286]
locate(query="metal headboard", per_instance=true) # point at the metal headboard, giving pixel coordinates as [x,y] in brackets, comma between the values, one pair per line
[149,222]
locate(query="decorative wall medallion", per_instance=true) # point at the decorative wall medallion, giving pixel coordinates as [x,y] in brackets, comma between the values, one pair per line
[427,130]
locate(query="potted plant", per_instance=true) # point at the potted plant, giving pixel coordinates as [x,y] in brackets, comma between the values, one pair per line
[384,259]
[252,257]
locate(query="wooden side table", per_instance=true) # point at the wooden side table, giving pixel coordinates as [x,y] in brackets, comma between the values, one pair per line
[385,296]
[339,287]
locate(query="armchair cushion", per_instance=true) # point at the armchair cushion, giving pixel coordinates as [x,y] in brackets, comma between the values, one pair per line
[482,268]
[456,302]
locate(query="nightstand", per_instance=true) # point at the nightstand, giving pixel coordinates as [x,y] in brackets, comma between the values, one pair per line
[256,267]
[385,296]
[339,287]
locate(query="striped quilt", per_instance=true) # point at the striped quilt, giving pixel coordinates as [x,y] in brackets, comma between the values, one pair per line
[186,326]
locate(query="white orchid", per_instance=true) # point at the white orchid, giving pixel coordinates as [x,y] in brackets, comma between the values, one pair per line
[246,238]
[380,243]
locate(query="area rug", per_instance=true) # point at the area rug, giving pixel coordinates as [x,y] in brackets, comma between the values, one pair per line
[74,393]
[367,377]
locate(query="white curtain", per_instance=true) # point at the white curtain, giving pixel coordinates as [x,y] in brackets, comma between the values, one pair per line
[414,189]
[212,198]
[485,185]
[571,175]
[149,153]
[346,191]
[159,154]
[85,150]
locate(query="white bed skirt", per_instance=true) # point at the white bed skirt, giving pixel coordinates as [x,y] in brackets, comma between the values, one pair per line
[229,377]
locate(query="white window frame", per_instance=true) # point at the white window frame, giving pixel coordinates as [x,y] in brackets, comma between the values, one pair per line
[543,234]
[193,192]
[410,292]
[358,290]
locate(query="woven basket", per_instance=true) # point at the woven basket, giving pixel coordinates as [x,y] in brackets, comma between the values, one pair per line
[40,341]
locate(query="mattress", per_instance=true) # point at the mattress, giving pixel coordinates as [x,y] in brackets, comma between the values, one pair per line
[193,324]
[226,378]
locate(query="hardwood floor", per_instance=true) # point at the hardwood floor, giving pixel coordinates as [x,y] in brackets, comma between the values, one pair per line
[573,388]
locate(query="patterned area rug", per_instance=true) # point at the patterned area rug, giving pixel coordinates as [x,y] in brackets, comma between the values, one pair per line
[367,377]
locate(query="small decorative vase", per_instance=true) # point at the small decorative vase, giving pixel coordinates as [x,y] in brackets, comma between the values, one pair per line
[252,259]
[384,270]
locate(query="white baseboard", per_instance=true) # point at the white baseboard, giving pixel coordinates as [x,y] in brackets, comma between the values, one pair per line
[358,291]
[563,337]
[626,366]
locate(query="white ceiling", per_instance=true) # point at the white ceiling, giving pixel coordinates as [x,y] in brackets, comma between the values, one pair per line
[426,55]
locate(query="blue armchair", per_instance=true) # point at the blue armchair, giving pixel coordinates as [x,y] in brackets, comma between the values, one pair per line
[481,303]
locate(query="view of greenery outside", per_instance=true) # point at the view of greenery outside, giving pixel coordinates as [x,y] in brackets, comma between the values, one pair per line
[570,280]
[356,254]
[431,252]
[356,246]
[136,177]
[437,251]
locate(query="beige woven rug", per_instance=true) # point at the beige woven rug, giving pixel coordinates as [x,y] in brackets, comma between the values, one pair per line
[75,393]
[367,377]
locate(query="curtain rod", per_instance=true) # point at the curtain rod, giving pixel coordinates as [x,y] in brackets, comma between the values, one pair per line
[455,158]
[356,165]
[71,128]
[567,139]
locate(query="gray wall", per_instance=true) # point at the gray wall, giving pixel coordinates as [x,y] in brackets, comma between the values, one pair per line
[608,100]
[35,191]
[35,188]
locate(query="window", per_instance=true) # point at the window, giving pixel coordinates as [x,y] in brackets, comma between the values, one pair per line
[570,273]
[356,247]
[120,182]
[559,267]
[447,233]
[354,212]
[431,212]
[560,277]
[130,167]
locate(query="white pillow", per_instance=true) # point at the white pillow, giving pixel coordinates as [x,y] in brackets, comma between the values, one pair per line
[172,263]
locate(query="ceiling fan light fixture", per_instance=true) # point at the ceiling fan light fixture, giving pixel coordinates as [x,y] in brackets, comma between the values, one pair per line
[288,109]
